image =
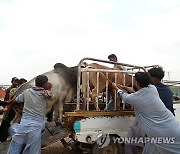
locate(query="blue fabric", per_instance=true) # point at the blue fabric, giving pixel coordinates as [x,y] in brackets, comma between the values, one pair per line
[25,144]
[166,95]
[15,148]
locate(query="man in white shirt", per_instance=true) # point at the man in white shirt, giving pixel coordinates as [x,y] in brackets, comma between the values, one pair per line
[26,136]
[152,117]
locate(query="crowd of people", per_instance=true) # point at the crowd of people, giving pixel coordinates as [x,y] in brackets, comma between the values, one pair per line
[9,115]
[26,136]
[152,102]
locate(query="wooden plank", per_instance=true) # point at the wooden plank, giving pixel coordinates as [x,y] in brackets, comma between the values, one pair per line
[99,113]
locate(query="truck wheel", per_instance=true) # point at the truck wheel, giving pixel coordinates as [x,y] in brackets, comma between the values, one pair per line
[112,148]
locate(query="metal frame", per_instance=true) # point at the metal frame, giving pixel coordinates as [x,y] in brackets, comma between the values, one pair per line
[81,69]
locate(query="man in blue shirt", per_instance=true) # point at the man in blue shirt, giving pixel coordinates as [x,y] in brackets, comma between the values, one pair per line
[165,93]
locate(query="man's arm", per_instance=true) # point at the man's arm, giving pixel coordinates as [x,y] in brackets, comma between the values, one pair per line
[3,103]
[121,88]
[6,104]
[123,92]
[9,105]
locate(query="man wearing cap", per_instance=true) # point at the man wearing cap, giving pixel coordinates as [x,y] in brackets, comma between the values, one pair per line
[8,116]
[14,82]
[113,58]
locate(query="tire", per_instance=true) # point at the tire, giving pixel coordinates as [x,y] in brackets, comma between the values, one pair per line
[111,148]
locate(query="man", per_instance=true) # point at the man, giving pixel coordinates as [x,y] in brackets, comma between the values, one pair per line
[14,82]
[112,57]
[164,91]
[152,117]
[12,91]
[26,136]
[21,81]
[9,115]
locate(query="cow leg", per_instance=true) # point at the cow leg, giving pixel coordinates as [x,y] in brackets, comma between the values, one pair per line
[56,112]
[18,113]
[17,117]
[84,103]
[94,96]
[58,115]
[61,110]
[84,92]
[118,104]
[84,97]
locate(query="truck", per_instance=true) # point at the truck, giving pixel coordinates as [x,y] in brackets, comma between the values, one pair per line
[103,131]
[95,131]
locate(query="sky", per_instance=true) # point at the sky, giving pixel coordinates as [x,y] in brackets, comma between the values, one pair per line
[36,34]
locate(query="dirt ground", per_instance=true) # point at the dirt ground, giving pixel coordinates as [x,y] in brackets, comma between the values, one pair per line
[54,148]
[57,148]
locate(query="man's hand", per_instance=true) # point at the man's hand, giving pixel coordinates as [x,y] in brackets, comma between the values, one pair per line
[6,109]
[128,89]
[115,86]
[9,105]
[124,88]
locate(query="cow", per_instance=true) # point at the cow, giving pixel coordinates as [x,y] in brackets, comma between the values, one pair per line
[102,83]
[64,89]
